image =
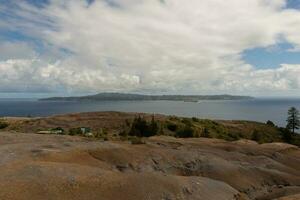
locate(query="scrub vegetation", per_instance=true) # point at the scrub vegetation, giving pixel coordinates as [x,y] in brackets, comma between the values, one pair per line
[133,126]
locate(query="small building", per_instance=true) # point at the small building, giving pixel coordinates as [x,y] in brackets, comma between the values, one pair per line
[85,130]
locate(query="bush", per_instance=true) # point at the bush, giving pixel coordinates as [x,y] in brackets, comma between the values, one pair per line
[172,127]
[75,131]
[205,133]
[270,123]
[287,135]
[256,136]
[101,134]
[185,132]
[59,130]
[3,125]
[195,119]
[127,122]
[233,137]
[123,133]
[187,121]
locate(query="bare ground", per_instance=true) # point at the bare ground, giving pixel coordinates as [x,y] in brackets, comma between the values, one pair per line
[64,167]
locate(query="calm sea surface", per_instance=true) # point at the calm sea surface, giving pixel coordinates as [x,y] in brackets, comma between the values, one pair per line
[256,110]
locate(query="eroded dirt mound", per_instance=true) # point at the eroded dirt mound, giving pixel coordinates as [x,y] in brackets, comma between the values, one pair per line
[64,167]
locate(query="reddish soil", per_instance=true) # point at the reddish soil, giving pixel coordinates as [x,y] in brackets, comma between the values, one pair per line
[52,167]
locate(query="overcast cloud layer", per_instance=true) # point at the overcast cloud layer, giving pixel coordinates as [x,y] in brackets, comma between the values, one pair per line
[162,46]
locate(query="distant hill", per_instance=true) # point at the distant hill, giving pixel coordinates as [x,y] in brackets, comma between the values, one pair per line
[140,97]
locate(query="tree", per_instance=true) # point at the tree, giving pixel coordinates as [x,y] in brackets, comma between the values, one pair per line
[153,127]
[293,120]
[141,128]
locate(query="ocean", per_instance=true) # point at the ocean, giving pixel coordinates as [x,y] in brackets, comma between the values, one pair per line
[259,109]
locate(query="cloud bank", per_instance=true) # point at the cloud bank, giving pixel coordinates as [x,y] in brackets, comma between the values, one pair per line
[163,46]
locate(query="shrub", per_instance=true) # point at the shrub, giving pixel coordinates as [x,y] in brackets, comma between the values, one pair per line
[102,134]
[127,122]
[187,121]
[256,136]
[75,131]
[172,127]
[3,124]
[185,132]
[205,133]
[195,119]
[161,130]
[270,123]
[123,133]
[287,135]
[233,137]
[59,130]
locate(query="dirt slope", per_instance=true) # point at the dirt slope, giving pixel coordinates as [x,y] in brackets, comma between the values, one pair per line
[64,167]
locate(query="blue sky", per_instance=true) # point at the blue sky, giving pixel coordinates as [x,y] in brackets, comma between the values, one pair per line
[295,4]
[271,57]
[71,47]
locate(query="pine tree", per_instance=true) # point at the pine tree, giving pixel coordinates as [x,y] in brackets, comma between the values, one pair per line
[141,128]
[153,127]
[293,121]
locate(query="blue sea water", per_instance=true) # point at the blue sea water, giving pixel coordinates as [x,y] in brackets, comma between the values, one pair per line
[260,109]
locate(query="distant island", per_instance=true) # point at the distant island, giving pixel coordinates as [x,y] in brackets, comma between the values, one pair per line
[140,97]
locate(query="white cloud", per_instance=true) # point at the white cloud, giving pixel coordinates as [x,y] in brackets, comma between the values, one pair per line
[147,45]
[16,50]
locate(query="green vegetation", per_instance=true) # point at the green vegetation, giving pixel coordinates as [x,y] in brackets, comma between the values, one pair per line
[75,131]
[3,124]
[58,130]
[185,132]
[141,128]
[139,97]
[133,128]
[172,127]
[293,121]
[256,136]
[287,135]
[205,133]
[270,123]
[101,134]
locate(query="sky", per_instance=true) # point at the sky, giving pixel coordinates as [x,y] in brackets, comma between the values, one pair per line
[75,47]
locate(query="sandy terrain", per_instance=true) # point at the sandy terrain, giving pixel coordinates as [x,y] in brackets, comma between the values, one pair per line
[64,167]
